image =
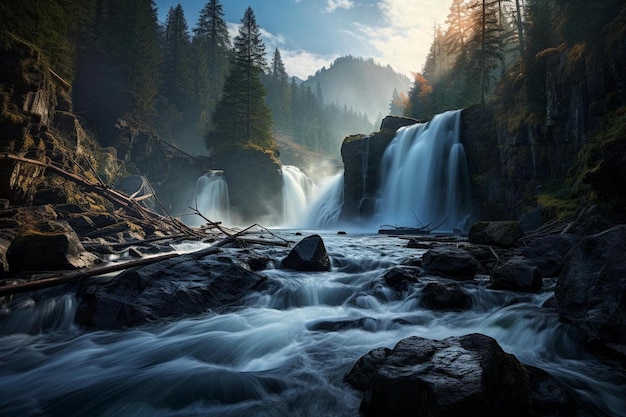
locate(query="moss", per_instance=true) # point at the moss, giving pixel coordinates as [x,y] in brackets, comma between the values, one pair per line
[575,56]
[558,200]
[353,138]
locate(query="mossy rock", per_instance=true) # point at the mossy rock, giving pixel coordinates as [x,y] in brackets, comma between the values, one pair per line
[499,233]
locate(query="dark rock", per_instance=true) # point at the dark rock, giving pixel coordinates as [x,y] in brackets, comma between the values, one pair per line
[416,244]
[516,274]
[450,262]
[396,122]
[531,220]
[54,246]
[549,253]
[499,233]
[399,278]
[362,156]
[467,375]
[440,296]
[177,287]
[591,290]
[308,255]
[340,325]
[548,397]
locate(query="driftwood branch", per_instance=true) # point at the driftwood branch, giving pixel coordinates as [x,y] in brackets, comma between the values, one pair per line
[119,200]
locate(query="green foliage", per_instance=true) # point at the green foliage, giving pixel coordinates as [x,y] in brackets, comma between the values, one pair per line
[241,117]
[50,25]
[117,67]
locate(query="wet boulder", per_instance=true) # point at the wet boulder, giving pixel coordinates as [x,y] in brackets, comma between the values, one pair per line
[516,274]
[308,255]
[498,233]
[450,262]
[177,287]
[399,278]
[591,290]
[456,376]
[440,296]
[549,253]
[52,245]
[548,396]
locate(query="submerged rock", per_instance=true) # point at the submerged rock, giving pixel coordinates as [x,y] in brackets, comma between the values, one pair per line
[456,376]
[308,255]
[591,290]
[440,296]
[450,262]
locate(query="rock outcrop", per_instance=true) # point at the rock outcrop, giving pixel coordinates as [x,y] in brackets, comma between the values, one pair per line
[178,287]
[591,290]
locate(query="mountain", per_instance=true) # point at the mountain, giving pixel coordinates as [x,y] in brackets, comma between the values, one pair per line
[360,84]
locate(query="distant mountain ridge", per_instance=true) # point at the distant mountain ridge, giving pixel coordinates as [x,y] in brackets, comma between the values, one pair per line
[360,84]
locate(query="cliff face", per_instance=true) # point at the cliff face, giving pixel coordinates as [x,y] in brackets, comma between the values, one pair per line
[362,156]
[520,164]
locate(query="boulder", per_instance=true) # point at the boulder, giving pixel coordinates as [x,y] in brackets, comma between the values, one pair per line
[516,274]
[549,253]
[399,278]
[54,246]
[178,287]
[440,296]
[308,255]
[456,376]
[548,396]
[591,290]
[499,233]
[450,262]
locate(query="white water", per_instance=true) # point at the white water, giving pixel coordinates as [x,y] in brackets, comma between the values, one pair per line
[212,198]
[425,180]
[275,355]
[326,204]
[298,191]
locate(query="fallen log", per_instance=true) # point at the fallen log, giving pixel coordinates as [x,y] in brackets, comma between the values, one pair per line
[74,276]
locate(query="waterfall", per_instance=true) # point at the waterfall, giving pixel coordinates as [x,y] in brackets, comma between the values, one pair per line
[297,192]
[212,196]
[425,179]
[326,206]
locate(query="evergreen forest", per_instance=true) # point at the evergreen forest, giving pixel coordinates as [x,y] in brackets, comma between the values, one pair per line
[191,84]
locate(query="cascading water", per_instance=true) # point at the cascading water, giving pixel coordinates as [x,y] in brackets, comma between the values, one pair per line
[284,350]
[212,196]
[425,180]
[326,206]
[297,192]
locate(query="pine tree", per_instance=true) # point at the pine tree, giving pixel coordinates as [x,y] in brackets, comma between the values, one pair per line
[176,84]
[278,94]
[211,46]
[241,117]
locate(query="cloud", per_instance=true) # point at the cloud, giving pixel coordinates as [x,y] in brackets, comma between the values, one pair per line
[405,37]
[303,63]
[333,5]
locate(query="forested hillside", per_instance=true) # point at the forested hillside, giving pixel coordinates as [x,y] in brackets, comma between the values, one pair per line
[123,64]
[359,84]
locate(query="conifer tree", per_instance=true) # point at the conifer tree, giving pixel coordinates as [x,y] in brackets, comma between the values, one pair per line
[278,93]
[176,84]
[241,117]
[211,48]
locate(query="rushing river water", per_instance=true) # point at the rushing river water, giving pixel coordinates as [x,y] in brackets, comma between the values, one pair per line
[283,352]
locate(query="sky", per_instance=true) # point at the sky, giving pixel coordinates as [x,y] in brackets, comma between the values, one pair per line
[311,34]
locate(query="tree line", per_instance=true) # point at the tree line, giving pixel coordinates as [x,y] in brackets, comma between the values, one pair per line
[486,44]
[196,88]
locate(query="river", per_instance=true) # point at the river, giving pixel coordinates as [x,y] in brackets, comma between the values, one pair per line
[283,351]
